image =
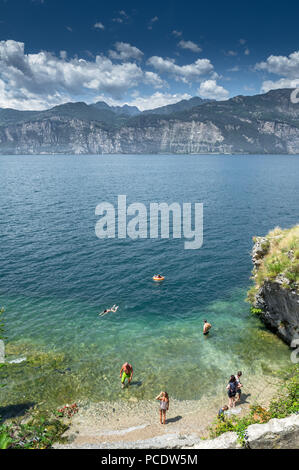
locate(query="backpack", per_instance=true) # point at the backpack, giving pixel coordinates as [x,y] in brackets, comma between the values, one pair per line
[233,387]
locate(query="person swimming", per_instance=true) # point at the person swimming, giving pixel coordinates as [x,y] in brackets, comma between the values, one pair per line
[113,309]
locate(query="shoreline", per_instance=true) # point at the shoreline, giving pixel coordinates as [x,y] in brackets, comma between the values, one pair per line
[135,424]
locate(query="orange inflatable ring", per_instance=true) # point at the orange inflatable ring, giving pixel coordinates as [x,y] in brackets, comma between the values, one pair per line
[160,278]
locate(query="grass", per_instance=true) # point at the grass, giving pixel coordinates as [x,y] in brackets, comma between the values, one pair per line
[284,404]
[281,257]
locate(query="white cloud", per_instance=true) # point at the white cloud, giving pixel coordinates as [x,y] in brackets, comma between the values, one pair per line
[153,79]
[247,51]
[184,73]
[189,45]
[123,17]
[210,89]
[286,67]
[281,65]
[36,81]
[152,21]
[148,102]
[177,34]
[69,29]
[63,55]
[231,53]
[242,41]
[236,68]
[282,83]
[125,51]
[99,25]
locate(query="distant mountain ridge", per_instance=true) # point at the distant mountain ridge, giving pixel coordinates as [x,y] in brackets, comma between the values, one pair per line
[266,123]
[99,111]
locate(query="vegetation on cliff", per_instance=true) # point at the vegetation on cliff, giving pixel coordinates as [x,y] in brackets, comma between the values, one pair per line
[276,259]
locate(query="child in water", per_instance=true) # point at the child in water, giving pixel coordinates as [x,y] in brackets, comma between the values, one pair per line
[164,405]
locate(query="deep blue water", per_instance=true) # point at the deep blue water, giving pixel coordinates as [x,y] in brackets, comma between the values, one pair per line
[56,275]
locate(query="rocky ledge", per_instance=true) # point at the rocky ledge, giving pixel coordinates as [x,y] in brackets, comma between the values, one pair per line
[276,434]
[275,294]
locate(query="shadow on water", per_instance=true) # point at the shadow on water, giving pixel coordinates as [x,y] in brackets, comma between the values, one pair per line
[137,384]
[14,411]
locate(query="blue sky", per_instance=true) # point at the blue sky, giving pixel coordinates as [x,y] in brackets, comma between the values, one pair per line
[144,53]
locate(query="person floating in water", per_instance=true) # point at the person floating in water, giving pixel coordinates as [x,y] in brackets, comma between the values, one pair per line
[126,372]
[206,327]
[164,405]
[112,309]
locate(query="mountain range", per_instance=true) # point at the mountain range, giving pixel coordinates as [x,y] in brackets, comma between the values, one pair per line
[265,123]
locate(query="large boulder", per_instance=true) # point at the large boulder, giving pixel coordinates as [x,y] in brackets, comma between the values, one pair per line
[276,434]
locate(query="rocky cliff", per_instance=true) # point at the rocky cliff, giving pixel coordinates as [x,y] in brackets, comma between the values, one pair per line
[275,294]
[266,123]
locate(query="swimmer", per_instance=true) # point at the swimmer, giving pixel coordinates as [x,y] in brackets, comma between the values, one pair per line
[206,327]
[112,309]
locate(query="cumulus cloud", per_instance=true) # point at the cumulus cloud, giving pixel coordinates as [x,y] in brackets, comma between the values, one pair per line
[176,33]
[148,102]
[184,73]
[124,51]
[236,68]
[153,79]
[231,53]
[99,25]
[285,66]
[37,81]
[281,65]
[123,16]
[152,21]
[282,83]
[189,45]
[210,89]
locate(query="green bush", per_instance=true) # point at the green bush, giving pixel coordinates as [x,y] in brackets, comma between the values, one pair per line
[256,311]
[40,432]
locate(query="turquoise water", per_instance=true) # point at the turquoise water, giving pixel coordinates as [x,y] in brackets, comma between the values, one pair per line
[56,275]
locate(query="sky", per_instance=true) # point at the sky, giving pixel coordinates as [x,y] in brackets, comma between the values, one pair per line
[146,54]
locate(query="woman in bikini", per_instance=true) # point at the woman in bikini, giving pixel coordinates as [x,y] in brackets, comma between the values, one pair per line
[164,405]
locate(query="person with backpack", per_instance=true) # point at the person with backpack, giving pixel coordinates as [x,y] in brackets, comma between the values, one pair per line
[232,388]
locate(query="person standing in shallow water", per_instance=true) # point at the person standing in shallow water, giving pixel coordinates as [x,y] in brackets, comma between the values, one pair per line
[206,327]
[164,405]
[126,372]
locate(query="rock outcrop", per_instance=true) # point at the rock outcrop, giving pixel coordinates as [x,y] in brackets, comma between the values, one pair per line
[276,434]
[275,296]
